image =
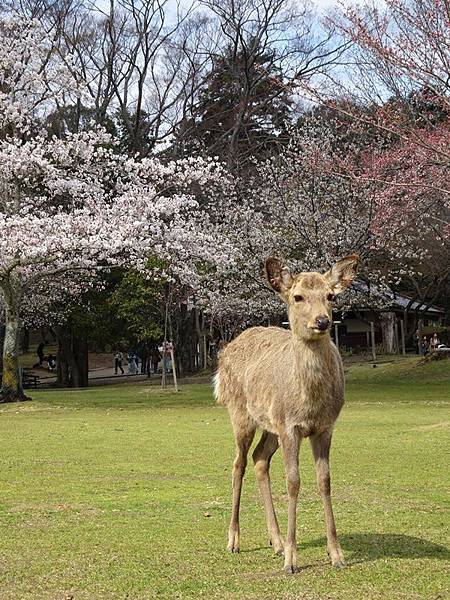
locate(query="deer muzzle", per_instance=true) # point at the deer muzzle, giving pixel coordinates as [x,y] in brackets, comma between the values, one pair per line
[322,323]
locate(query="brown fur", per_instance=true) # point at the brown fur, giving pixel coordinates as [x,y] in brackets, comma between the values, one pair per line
[290,384]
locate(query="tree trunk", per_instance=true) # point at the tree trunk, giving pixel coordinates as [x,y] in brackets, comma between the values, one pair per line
[11,390]
[388,331]
[185,340]
[64,360]
[81,357]
[72,361]
[201,336]
[25,340]
[62,366]
[2,341]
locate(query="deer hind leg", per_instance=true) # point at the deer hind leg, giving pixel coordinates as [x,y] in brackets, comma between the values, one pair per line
[244,437]
[266,448]
[321,450]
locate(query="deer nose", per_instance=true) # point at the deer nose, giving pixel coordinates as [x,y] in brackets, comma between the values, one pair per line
[322,323]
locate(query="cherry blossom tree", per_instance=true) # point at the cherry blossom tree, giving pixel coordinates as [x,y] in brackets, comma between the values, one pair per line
[412,183]
[73,204]
[394,89]
[396,79]
[398,48]
[300,207]
[70,212]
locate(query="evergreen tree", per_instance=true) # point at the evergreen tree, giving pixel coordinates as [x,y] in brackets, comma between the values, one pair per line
[243,109]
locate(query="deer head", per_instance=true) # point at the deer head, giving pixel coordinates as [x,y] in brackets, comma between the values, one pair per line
[309,296]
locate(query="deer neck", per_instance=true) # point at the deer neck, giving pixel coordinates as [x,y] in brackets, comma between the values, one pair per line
[312,363]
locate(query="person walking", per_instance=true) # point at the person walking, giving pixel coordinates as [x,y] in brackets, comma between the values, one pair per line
[118,360]
[40,354]
[145,359]
[156,357]
[167,356]
[213,352]
[423,345]
[131,363]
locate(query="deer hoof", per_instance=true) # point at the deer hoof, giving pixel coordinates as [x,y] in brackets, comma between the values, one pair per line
[340,564]
[233,541]
[291,569]
[278,547]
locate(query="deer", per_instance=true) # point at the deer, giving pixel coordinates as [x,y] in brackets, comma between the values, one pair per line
[290,384]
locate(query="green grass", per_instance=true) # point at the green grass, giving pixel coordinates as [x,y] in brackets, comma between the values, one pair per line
[124,492]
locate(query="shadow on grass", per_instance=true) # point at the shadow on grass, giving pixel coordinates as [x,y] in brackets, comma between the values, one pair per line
[127,397]
[364,547]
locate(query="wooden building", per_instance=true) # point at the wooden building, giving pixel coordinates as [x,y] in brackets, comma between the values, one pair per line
[391,326]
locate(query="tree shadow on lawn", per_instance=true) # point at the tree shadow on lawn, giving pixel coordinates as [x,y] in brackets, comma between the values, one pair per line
[365,547]
[125,397]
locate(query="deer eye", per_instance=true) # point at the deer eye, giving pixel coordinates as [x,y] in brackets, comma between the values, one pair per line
[330,297]
[298,298]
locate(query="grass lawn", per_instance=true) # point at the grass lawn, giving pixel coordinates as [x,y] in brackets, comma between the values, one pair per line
[124,493]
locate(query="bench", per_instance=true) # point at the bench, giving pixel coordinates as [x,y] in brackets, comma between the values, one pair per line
[29,380]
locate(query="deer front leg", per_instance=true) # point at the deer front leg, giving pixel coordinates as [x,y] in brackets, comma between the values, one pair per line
[243,442]
[321,449]
[290,445]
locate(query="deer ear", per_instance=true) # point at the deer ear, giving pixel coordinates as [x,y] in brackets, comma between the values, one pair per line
[278,276]
[343,273]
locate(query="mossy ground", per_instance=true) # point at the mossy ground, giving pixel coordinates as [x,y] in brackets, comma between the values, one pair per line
[124,492]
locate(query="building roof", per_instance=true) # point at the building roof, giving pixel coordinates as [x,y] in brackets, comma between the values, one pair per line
[397,301]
